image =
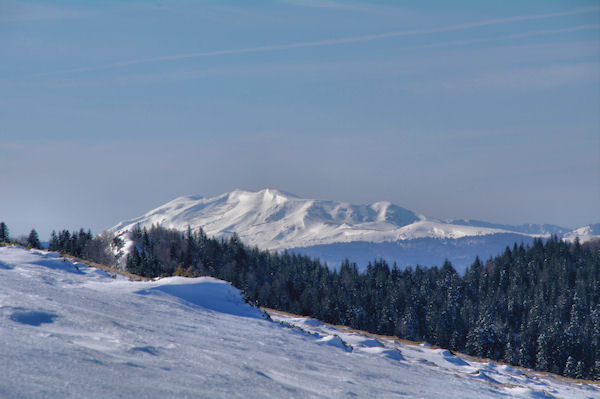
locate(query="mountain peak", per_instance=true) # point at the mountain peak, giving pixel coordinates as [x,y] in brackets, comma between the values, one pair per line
[275,220]
[267,193]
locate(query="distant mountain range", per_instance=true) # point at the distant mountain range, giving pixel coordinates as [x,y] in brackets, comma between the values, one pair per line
[332,230]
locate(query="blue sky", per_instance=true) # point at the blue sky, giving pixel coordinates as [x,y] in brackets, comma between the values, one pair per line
[484,110]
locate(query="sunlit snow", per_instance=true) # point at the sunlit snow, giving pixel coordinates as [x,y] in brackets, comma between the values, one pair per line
[69,330]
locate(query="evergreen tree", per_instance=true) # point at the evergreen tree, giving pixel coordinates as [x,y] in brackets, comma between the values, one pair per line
[510,353]
[575,330]
[134,262]
[542,361]
[580,370]
[523,356]
[33,240]
[596,371]
[570,369]
[53,243]
[4,237]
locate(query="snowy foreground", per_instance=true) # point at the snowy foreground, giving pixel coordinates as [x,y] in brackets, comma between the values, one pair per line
[72,331]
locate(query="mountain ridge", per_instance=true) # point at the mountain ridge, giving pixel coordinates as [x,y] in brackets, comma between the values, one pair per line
[230,212]
[275,220]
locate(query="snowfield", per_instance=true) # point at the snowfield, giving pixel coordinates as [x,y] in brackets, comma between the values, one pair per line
[72,331]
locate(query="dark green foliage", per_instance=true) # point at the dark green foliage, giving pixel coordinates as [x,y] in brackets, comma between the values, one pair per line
[596,370]
[570,367]
[73,243]
[105,248]
[533,306]
[4,237]
[33,240]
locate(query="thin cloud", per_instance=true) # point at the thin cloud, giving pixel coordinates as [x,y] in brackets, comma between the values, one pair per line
[544,32]
[323,4]
[198,74]
[33,12]
[333,42]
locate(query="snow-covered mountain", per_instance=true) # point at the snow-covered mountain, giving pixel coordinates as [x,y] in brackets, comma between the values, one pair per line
[585,233]
[271,219]
[331,230]
[72,331]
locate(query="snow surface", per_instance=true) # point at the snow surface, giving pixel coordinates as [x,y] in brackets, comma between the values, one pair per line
[585,233]
[72,331]
[499,379]
[271,219]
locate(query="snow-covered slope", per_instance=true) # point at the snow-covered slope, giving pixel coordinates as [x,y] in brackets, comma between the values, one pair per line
[533,229]
[70,331]
[275,220]
[585,233]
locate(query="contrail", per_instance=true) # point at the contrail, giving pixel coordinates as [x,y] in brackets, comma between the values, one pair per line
[332,42]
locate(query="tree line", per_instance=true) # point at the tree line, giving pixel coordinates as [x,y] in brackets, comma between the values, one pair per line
[105,248]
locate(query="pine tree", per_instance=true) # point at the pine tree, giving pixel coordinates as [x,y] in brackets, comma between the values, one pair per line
[580,370]
[510,354]
[570,367]
[33,240]
[190,247]
[134,262]
[596,370]
[53,244]
[523,356]
[542,361]
[4,238]
[483,337]
[574,332]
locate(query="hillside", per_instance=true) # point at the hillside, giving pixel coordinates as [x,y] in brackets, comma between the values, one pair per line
[73,331]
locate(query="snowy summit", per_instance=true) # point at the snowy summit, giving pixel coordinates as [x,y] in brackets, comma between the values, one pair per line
[271,219]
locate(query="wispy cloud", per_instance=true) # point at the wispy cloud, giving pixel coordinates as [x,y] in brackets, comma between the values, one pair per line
[352,6]
[523,35]
[324,4]
[166,77]
[16,12]
[403,66]
[346,40]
